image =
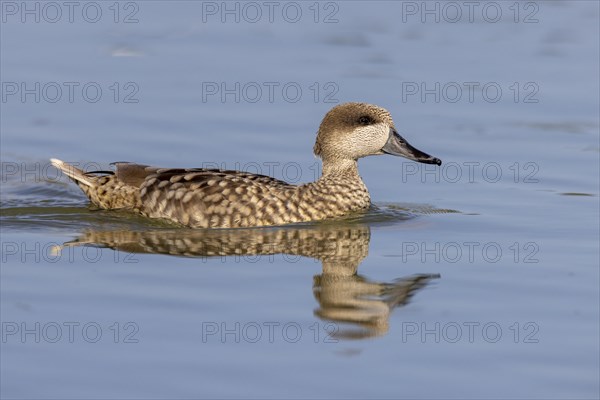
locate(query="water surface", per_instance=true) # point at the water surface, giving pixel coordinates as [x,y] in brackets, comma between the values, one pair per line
[476,279]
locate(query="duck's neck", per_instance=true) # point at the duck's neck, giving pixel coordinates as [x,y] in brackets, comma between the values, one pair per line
[338,191]
[347,169]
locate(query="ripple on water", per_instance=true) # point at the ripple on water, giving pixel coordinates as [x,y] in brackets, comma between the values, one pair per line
[40,208]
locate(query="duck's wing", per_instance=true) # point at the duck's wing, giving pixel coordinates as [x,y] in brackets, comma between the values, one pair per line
[200,197]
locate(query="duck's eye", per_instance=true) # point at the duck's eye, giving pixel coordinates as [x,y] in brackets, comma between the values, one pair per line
[364,120]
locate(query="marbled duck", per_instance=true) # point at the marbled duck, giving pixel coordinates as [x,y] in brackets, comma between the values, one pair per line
[211,198]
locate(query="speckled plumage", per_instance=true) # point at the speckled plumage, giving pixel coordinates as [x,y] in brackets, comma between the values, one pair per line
[209,198]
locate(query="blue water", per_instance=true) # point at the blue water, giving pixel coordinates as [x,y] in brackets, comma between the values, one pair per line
[476,279]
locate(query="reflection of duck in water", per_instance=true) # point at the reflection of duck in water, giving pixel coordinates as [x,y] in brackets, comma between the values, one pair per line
[343,295]
[204,198]
[358,301]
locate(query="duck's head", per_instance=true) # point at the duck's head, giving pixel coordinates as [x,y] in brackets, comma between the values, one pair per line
[350,131]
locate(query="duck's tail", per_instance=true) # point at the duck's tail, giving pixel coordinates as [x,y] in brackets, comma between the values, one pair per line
[103,188]
[76,174]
